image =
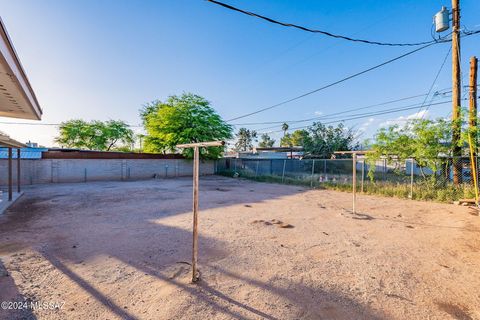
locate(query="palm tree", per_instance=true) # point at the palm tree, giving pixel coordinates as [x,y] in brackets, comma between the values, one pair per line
[285,128]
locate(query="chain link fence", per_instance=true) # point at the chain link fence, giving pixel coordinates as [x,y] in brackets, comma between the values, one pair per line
[406,179]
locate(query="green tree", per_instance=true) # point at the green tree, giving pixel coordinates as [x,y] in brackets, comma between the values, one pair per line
[94,135]
[183,119]
[285,127]
[245,138]
[286,140]
[322,141]
[266,141]
[295,139]
[428,141]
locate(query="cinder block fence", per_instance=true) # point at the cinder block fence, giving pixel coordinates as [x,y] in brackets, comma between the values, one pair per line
[35,171]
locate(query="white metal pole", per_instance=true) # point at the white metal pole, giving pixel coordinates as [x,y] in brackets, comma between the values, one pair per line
[283,173]
[313,171]
[411,178]
[363,174]
[195,213]
[354,182]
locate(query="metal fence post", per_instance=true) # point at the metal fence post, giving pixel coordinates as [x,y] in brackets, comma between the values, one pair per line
[363,175]
[256,170]
[313,171]
[410,196]
[384,168]
[354,182]
[325,169]
[283,173]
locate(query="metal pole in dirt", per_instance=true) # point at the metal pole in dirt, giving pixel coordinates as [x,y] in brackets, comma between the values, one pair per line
[313,171]
[283,173]
[196,169]
[256,170]
[410,196]
[354,181]
[384,168]
[363,174]
[195,214]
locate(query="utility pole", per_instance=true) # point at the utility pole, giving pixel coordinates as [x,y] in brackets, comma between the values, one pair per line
[456,125]
[472,121]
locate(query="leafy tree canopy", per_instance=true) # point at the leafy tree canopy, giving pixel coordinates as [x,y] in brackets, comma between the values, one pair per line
[181,119]
[295,139]
[94,135]
[245,138]
[266,141]
[322,141]
[422,139]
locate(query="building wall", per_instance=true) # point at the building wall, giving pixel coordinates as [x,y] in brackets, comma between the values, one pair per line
[82,170]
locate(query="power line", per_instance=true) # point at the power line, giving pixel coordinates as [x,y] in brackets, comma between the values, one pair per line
[329,34]
[465,34]
[354,117]
[53,124]
[331,114]
[434,81]
[332,84]
[442,92]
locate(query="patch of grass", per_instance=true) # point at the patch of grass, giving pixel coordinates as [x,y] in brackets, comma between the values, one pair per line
[422,190]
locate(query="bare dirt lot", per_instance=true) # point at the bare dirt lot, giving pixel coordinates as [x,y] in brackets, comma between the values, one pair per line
[117,250]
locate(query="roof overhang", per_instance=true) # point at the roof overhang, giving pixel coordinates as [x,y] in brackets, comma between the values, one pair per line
[6,141]
[17,99]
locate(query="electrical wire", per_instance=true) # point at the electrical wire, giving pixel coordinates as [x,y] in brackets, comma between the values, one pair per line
[433,83]
[354,117]
[53,124]
[331,114]
[348,77]
[333,83]
[329,34]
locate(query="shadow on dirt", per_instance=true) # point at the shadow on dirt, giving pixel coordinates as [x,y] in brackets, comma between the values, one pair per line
[125,221]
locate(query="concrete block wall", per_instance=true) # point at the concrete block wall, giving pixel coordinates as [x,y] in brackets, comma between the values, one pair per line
[82,170]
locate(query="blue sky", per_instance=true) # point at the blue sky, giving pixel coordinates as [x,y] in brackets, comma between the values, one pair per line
[105,59]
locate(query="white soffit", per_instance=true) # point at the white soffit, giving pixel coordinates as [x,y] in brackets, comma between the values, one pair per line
[17,99]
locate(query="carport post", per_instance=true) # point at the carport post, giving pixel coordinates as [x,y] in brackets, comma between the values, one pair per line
[196,169]
[18,171]
[10,174]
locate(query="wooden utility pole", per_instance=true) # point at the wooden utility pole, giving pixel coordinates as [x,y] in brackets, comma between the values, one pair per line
[456,125]
[196,169]
[473,99]
[472,114]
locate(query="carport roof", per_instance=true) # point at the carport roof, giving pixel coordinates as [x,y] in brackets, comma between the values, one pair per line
[6,141]
[17,99]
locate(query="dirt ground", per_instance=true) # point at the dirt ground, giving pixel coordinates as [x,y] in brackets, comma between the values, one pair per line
[119,250]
